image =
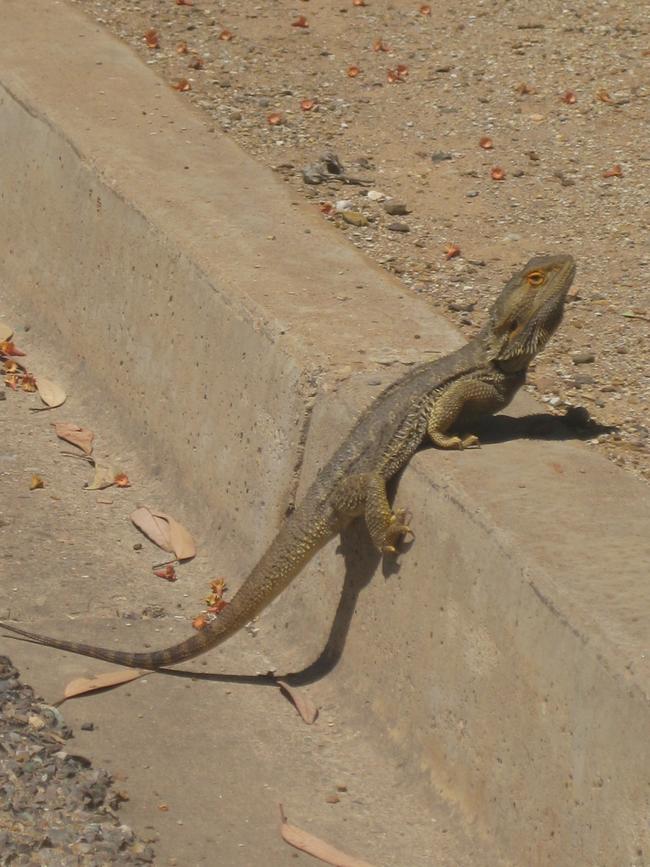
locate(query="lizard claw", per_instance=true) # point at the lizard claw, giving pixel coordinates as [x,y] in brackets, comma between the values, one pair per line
[397,529]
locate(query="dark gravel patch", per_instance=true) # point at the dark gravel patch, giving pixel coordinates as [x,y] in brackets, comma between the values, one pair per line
[55,808]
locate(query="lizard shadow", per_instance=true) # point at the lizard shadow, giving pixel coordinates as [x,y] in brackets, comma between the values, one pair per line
[361,559]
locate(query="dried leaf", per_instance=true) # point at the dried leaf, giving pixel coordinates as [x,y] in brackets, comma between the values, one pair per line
[104,478]
[28,383]
[524,89]
[398,74]
[50,393]
[154,528]
[226,36]
[200,622]
[36,483]
[300,21]
[165,532]
[352,71]
[168,573]
[308,104]
[569,97]
[425,9]
[497,174]
[603,96]
[151,38]
[181,48]
[316,847]
[6,332]
[196,63]
[305,708]
[182,85]
[275,119]
[359,3]
[615,172]
[486,143]
[122,480]
[451,250]
[84,685]
[380,45]
[72,433]
[9,348]
[185,2]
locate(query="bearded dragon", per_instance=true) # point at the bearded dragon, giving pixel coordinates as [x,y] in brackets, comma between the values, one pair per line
[430,400]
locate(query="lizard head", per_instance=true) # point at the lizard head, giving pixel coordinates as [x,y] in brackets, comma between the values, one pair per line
[528,311]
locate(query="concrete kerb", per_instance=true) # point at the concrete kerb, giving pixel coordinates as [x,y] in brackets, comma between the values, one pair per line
[231,330]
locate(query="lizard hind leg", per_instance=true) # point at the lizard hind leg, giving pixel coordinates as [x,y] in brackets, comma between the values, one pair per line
[385,525]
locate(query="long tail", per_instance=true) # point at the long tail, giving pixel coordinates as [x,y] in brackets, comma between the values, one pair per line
[292,548]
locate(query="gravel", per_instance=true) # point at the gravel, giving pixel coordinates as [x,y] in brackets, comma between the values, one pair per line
[55,808]
[560,90]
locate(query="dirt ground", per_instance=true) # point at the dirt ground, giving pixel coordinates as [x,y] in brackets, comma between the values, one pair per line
[504,129]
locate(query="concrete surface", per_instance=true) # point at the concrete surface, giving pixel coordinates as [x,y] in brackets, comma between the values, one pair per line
[233,337]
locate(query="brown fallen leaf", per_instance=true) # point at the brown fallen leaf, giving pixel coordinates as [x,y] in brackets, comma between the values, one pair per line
[168,573]
[497,174]
[451,250]
[84,685]
[316,847]
[275,118]
[77,436]
[226,36]
[182,85]
[36,483]
[486,143]
[353,71]
[50,393]
[300,21]
[9,348]
[615,172]
[569,97]
[308,104]
[165,532]
[305,708]
[151,39]
[104,478]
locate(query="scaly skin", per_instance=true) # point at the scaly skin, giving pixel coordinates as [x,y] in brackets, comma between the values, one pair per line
[478,379]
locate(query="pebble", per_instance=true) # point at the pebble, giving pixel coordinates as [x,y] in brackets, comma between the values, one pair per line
[585,357]
[344,205]
[354,218]
[441,156]
[398,227]
[396,209]
[375,196]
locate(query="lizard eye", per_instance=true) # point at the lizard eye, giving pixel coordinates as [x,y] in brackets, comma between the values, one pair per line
[535,278]
[514,325]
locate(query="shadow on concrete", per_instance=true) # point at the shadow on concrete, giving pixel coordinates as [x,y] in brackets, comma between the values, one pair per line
[361,560]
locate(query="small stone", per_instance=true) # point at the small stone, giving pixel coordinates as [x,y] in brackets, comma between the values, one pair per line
[88,727]
[581,379]
[354,218]
[441,156]
[585,357]
[332,799]
[344,205]
[472,194]
[460,306]
[398,227]
[375,196]
[396,209]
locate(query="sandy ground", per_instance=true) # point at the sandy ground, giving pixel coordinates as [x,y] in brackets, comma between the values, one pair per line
[406,95]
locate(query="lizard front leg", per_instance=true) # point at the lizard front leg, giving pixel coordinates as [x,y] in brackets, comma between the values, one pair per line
[365,493]
[463,397]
